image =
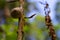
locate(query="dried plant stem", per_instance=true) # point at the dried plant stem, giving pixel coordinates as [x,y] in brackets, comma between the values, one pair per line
[50,27]
[48,22]
[21,22]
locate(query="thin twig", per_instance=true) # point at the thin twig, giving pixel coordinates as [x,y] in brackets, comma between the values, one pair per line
[30,16]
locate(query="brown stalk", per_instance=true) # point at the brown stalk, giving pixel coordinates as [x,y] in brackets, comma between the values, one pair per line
[21,22]
[49,24]
[50,27]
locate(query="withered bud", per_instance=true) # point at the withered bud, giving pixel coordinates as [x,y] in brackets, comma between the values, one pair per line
[16,12]
[47,17]
[48,24]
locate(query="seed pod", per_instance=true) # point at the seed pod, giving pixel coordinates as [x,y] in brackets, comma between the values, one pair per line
[48,24]
[47,19]
[15,13]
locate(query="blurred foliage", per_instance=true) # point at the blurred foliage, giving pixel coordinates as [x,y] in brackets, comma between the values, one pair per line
[2,3]
[38,28]
[26,6]
[13,5]
[57,9]
[10,29]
